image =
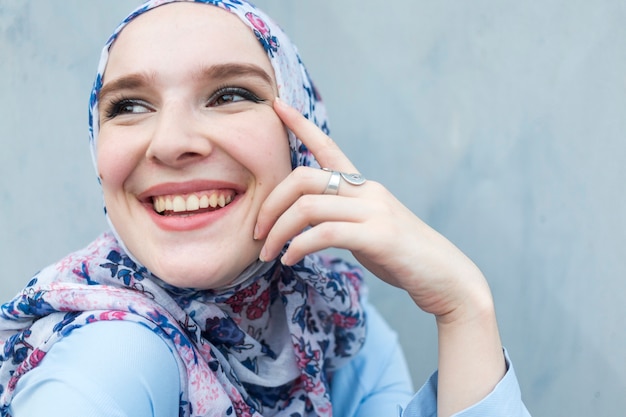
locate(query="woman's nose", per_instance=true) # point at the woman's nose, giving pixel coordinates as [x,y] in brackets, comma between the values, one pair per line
[177,138]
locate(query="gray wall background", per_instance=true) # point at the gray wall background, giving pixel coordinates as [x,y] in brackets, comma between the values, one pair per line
[500,123]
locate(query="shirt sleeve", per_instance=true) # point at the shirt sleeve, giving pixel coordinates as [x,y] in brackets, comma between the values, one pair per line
[110,369]
[504,400]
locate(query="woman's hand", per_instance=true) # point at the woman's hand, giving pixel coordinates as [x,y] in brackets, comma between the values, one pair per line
[397,247]
[383,235]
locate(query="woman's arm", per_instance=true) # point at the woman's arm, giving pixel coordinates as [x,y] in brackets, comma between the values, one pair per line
[471,362]
[504,400]
[377,383]
[397,247]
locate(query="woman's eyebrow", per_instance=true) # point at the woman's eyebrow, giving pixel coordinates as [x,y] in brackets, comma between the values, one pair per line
[217,72]
[230,70]
[130,81]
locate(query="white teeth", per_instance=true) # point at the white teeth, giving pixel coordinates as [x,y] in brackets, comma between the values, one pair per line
[193,203]
[213,200]
[178,203]
[159,205]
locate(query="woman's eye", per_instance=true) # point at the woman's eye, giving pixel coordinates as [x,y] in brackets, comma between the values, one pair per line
[232,95]
[127,107]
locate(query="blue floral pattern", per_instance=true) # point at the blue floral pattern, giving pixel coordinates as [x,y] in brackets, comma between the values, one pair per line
[208,331]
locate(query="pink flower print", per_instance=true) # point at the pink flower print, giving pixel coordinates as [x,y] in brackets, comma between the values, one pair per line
[318,388]
[70,261]
[354,279]
[263,33]
[113,315]
[259,306]
[36,357]
[241,409]
[307,358]
[237,300]
[259,24]
[345,321]
[306,382]
[12,383]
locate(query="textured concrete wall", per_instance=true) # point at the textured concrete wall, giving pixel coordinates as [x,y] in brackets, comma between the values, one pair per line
[500,123]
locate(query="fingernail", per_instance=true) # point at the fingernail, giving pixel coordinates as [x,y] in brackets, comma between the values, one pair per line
[279,102]
[255,234]
[263,254]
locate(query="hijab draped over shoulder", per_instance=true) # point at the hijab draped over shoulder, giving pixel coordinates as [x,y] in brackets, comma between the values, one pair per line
[267,345]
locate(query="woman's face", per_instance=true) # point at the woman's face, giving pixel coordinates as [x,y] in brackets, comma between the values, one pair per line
[189,145]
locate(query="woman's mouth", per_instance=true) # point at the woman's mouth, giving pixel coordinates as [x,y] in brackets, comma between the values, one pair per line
[194,203]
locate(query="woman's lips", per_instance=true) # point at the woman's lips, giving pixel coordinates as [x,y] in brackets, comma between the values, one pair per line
[190,205]
[187,212]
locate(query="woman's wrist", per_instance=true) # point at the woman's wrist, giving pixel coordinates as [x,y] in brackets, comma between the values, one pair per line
[471,361]
[474,305]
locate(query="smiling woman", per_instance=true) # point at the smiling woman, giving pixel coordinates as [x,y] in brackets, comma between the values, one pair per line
[183,132]
[208,296]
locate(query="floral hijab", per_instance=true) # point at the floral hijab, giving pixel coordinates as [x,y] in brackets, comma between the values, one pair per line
[268,345]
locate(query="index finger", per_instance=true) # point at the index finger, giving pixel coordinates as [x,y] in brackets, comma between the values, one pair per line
[325,150]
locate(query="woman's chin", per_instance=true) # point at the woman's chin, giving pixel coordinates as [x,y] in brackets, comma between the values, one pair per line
[203,277]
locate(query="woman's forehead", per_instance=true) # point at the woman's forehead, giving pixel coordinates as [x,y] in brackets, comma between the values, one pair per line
[185,35]
[182,16]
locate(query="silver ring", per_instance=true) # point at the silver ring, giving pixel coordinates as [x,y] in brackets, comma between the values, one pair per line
[335,179]
[333,183]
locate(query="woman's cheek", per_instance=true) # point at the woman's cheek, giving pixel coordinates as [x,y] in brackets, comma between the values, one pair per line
[115,162]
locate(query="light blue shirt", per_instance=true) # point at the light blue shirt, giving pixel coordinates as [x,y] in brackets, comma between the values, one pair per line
[116,368]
